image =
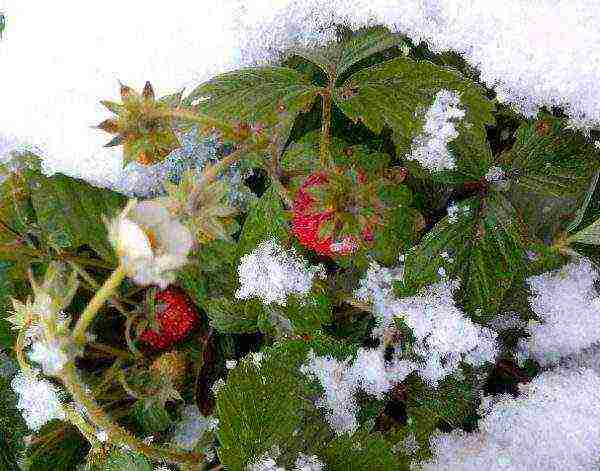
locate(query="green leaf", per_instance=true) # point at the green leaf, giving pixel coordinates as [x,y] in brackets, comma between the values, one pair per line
[12,427]
[270,96]
[359,452]
[308,314]
[70,212]
[152,419]
[265,220]
[261,407]
[487,249]
[336,59]
[236,316]
[396,93]
[589,235]
[552,171]
[127,460]
[7,334]
[450,403]
[269,404]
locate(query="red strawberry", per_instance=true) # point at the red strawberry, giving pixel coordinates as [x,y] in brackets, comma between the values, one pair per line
[308,221]
[175,316]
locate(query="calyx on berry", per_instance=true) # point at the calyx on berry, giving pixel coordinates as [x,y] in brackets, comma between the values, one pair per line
[170,316]
[336,211]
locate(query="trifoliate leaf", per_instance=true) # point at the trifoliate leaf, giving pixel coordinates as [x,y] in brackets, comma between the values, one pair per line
[70,212]
[397,93]
[336,59]
[267,97]
[481,245]
[550,170]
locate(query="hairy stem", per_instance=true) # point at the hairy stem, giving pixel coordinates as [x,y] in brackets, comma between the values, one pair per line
[104,293]
[189,115]
[116,433]
[326,128]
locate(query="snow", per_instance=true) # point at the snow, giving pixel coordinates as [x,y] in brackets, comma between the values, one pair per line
[554,425]
[271,274]
[568,305]
[60,59]
[430,148]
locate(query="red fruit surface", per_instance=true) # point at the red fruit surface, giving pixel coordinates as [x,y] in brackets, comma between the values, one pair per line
[175,316]
[306,222]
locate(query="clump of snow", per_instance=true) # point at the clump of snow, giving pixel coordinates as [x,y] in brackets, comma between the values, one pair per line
[266,461]
[554,425]
[38,400]
[308,463]
[271,274]
[444,335]
[339,388]
[342,380]
[192,427]
[51,355]
[568,305]
[430,148]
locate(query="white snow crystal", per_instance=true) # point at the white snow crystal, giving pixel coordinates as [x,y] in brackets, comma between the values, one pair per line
[339,387]
[272,274]
[341,380]
[553,427]
[494,174]
[192,427]
[308,463]
[376,288]
[265,462]
[532,53]
[50,355]
[38,400]
[444,335]
[569,307]
[430,149]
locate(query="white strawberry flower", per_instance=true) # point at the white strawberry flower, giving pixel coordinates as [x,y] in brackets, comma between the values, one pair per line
[150,243]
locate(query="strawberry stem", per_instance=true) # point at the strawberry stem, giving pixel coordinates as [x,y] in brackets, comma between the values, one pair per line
[325,128]
[104,293]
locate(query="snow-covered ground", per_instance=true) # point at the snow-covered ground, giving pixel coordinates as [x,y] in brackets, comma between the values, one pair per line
[59,58]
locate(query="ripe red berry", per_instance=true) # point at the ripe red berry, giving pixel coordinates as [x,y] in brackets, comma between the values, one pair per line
[175,316]
[308,221]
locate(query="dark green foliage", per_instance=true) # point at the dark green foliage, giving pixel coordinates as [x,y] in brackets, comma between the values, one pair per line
[361,451]
[393,95]
[552,172]
[262,406]
[70,212]
[61,448]
[486,248]
[335,60]
[12,426]
[150,419]
[264,221]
